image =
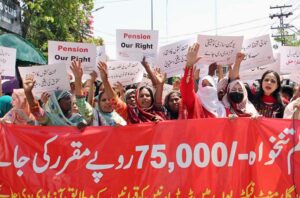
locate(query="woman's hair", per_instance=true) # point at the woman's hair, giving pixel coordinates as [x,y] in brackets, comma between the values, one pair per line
[287,89]
[276,92]
[167,98]
[250,94]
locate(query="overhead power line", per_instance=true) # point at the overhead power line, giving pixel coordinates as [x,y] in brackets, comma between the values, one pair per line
[219,28]
[282,26]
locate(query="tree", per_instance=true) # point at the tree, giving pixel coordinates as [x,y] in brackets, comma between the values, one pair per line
[291,40]
[67,20]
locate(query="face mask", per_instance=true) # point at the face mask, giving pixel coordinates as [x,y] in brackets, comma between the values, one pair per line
[236,97]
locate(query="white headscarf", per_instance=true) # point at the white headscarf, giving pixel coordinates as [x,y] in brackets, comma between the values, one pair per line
[208,97]
[290,111]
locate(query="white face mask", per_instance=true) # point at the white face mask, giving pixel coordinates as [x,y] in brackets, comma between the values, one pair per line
[209,99]
[208,93]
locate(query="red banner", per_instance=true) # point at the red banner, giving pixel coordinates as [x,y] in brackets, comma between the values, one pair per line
[189,158]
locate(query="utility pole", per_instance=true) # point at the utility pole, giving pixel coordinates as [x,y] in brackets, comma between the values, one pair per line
[282,26]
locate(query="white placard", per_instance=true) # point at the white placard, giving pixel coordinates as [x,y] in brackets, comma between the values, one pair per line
[203,70]
[290,59]
[66,52]
[220,49]
[133,45]
[48,78]
[101,54]
[172,57]
[256,73]
[258,52]
[125,72]
[295,77]
[8,61]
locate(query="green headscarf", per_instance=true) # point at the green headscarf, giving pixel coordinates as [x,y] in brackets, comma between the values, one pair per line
[5,105]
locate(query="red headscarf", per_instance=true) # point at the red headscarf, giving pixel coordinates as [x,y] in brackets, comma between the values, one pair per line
[150,114]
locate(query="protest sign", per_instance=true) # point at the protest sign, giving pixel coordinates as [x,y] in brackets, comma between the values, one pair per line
[125,72]
[8,61]
[172,57]
[101,54]
[133,45]
[48,78]
[295,77]
[289,59]
[258,52]
[220,49]
[256,73]
[67,52]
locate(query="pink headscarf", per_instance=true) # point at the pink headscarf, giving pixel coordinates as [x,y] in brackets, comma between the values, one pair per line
[20,113]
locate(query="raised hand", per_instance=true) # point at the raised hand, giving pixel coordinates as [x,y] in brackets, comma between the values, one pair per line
[192,55]
[28,83]
[239,57]
[77,69]
[103,70]
[145,63]
[160,78]
[44,97]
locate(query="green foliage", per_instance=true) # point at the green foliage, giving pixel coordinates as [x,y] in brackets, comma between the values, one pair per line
[61,20]
[289,40]
[93,40]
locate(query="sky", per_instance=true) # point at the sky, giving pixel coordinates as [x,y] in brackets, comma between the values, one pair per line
[181,19]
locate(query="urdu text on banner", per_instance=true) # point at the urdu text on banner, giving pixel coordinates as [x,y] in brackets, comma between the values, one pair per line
[169,159]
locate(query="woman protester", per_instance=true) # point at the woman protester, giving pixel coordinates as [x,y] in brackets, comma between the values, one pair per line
[5,101]
[20,113]
[148,107]
[58,109]
[236,99]
[103,114]
[172,104]
[292,110]
[204,103]
[267,100]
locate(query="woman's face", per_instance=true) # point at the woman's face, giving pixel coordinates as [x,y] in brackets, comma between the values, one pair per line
[173,102]
[130,99]
[105,104]
[269,84]
[236,94]
[144,98]
[237,88]
[15,102]
[74,106]
[65,104]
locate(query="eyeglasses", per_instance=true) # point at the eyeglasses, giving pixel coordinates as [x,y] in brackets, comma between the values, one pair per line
[270,80]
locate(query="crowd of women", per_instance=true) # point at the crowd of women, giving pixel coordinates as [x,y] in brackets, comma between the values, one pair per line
[103,104]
